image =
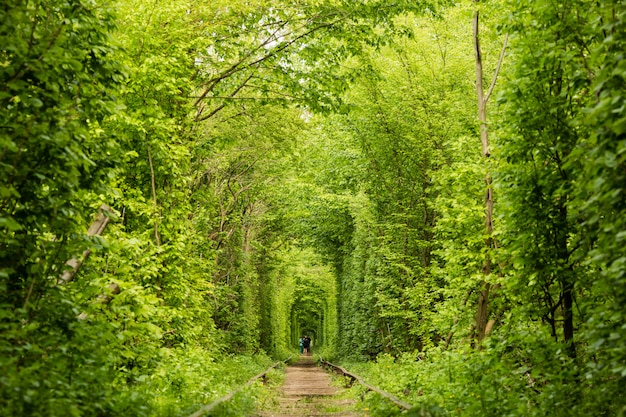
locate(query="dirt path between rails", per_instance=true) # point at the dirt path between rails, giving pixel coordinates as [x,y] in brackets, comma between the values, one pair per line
[308,391]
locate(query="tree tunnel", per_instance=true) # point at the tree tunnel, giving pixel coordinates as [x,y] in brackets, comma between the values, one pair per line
[308,320]
[309,312]
[298,297]
[313,310]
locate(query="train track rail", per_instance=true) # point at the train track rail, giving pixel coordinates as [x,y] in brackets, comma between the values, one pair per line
[355,377]
[209,407]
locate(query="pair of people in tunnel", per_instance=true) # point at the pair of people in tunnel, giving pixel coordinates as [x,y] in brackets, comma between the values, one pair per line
[305,344]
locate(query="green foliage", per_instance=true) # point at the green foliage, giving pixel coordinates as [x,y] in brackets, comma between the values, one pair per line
[58,83]
[554,317]
[558,270]
[384,185]
[310,167]
[187,254]
[600,198]
[181,387]
[545,103]
[513,375]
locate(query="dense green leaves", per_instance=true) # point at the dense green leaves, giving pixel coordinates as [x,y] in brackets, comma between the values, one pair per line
[310,167]
[378,173]
[601,199]
[59,81]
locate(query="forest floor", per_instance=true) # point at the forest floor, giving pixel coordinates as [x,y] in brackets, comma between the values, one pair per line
[308,391]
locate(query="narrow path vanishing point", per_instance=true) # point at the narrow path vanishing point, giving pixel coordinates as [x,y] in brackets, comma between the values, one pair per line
[308,391]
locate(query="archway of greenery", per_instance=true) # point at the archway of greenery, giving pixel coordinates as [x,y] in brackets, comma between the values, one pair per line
[432,190]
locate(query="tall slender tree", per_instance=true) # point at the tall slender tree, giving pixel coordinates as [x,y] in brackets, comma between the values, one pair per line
[482,312]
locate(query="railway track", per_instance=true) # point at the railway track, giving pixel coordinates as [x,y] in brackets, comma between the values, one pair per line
[308,391]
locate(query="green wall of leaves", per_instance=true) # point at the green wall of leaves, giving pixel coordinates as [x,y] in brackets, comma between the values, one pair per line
[314,167]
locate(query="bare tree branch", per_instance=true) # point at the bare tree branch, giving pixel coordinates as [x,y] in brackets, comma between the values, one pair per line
[495,75]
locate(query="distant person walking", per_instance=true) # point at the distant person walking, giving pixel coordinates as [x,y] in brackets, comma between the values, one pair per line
[301,343]
[306,343]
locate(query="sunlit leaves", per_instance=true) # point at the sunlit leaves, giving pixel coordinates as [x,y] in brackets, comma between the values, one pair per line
[56,69]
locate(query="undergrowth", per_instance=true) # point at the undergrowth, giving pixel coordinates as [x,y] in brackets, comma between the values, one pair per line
[179,388]
[494,382]
[252,398]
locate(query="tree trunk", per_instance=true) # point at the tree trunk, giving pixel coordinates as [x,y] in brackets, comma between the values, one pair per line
[568,316]
[567,288]
[157,238]
[482,313]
